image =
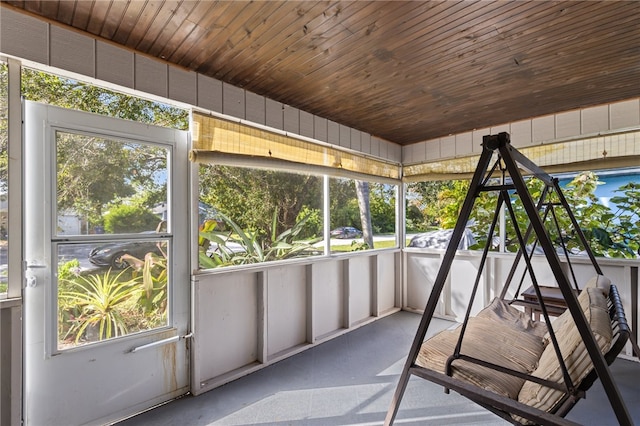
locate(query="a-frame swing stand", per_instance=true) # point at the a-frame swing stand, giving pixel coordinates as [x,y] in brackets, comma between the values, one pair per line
[513,161]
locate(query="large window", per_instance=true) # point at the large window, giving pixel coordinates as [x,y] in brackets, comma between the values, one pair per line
[606,205]
[362,215]
[250,215]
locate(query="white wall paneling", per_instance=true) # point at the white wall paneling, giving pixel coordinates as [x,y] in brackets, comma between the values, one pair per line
[291,119]
[246,320]
[233,102]
[256,108]
[151,76]
[625,114]
[306,124]
[275,115]
[210,93]
[72,51]
[114,65]
[24,36]
[183,85]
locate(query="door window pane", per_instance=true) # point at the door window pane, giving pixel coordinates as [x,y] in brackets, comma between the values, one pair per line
[109,186]
[110,289]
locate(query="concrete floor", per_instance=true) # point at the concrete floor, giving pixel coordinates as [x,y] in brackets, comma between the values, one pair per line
[350,381]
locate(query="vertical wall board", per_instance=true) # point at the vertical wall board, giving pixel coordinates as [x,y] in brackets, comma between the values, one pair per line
[233,101]
[625,114]
[24,36]
[386,274]
[568,124]
[375,146]
[333,132]
[503,265]
[463,272]
[275,115]
[422,269]
[408,156]
[543,129]
[394,152]
[463,143]
[291,117]
[287,308]
[328,297]
[500,128]
[183,85]
[226,323]
[448,147]
[595,119]
[151,76]
[359,289]
[256,107]
[114,64]
[365,143]
[420,151]
[209,93]
[306,124]
[345,136]
[521,133]
[320,128]
[478,134]
[432,149]
[72,51]
[356,142]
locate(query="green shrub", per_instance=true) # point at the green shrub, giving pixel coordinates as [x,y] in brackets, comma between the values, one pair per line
[128,218]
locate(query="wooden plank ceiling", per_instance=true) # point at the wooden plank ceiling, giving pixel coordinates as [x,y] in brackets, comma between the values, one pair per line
[406,71]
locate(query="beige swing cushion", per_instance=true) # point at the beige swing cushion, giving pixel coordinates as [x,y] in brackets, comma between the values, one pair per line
[500,334]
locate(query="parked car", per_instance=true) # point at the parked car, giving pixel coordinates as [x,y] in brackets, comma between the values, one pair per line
[346,232]
[110,254]
[440,239]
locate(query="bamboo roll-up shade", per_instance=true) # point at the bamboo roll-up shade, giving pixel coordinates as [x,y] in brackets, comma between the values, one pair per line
[597,153]
[218,136]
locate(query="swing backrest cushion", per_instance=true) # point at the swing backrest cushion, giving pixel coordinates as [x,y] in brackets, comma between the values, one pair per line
[593,302]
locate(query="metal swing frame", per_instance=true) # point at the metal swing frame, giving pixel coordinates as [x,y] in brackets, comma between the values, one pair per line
[503,406]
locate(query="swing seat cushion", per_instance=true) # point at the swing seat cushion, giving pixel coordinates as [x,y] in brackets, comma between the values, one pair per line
[499,334]
[593,302]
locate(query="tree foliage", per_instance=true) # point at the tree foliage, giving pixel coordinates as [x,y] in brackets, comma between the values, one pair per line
[609,233]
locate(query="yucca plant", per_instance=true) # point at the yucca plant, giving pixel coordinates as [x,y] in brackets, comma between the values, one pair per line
[100,302]
[248,248]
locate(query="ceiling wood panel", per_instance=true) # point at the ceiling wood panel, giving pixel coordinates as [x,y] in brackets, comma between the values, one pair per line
[405,71]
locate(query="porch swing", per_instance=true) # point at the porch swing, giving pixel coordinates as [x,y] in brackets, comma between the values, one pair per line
[523,370]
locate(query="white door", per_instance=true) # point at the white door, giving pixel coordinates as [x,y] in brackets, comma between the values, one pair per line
[107,270]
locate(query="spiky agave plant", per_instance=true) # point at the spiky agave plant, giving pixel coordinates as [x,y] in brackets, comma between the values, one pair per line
[101,303]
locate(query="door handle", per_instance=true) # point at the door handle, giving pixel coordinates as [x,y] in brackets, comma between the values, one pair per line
[33,265]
